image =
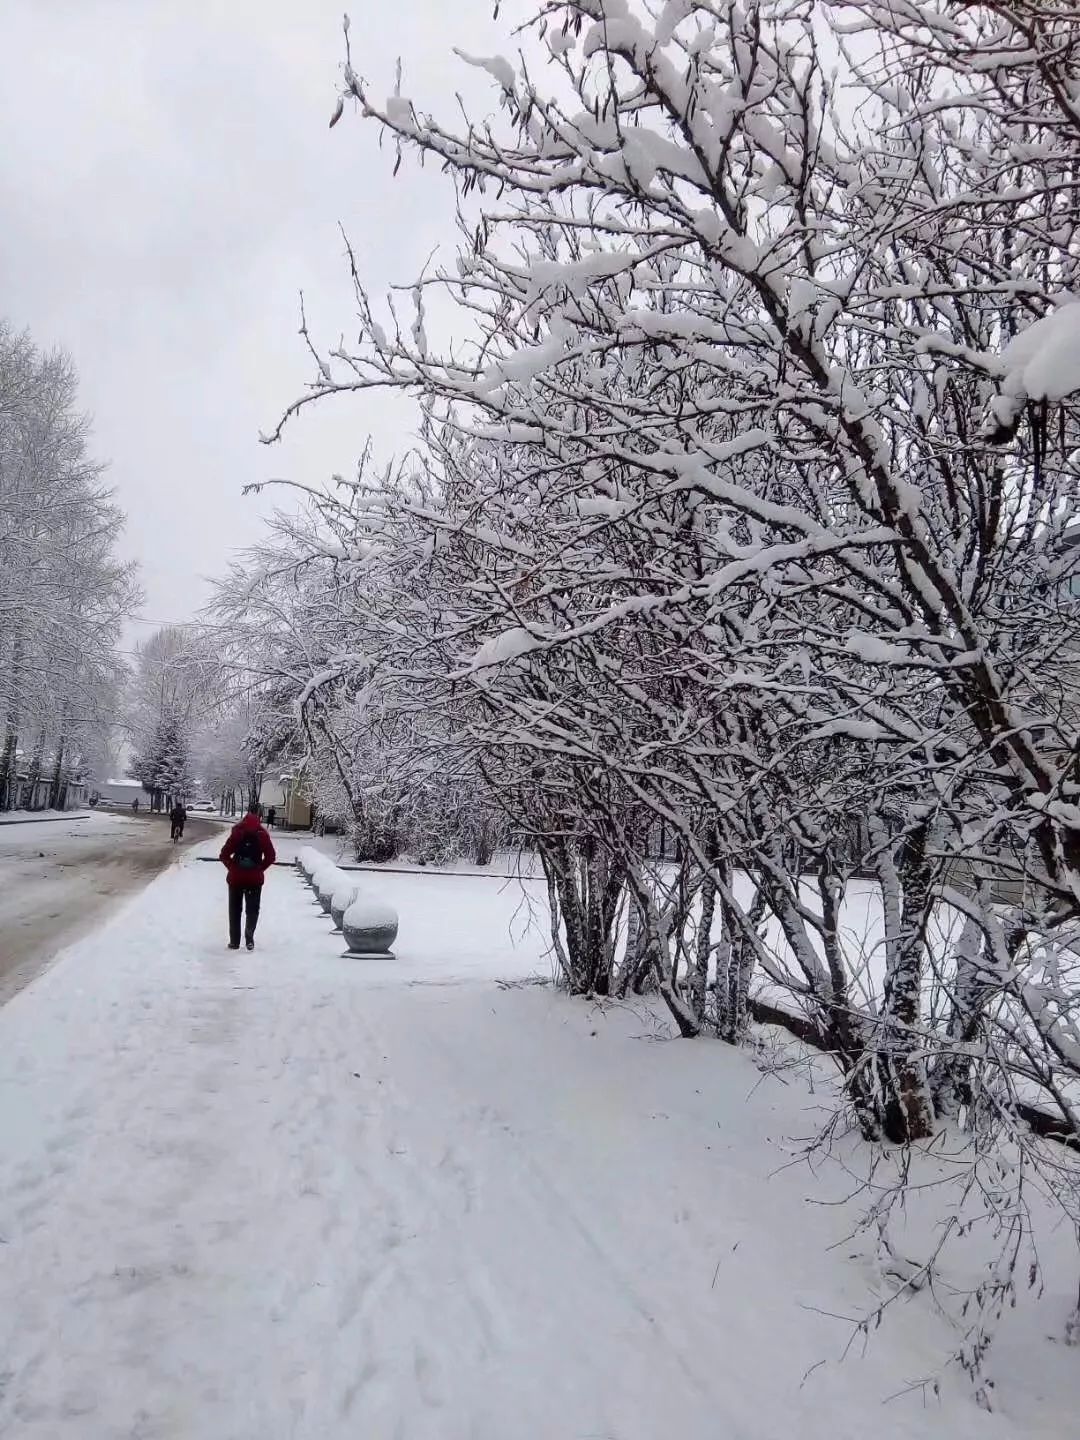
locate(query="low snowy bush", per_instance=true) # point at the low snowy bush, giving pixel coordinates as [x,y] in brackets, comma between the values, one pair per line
[706,580]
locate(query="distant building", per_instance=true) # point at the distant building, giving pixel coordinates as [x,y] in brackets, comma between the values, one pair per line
[285,794]
[122,792]
[33,785]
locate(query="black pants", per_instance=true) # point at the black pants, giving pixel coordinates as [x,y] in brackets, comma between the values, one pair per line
[177,830]
[248,898]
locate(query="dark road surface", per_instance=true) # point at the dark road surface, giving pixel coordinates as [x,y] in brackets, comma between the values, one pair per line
[59,878]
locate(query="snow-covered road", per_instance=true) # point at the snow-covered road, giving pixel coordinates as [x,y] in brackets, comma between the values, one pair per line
[290,1196]
[59,875]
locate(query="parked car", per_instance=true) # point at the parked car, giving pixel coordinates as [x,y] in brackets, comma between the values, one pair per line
[203,805]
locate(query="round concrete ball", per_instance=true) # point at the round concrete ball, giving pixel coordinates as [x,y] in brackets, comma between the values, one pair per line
[370,927]
[327,877]
[344,895]
[326,882]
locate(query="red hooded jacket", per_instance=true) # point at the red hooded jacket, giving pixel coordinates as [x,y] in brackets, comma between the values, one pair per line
[249,825]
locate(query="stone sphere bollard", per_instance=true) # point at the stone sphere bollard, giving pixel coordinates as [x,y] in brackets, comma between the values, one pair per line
[344,895]
[327,879]
[370,927]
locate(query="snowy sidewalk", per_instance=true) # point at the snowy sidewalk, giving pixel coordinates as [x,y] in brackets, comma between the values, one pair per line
[289,1196]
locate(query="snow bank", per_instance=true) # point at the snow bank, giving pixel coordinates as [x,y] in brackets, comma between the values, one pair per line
[56,835]
[32,817]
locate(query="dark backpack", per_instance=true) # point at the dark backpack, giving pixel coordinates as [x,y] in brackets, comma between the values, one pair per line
[248,854]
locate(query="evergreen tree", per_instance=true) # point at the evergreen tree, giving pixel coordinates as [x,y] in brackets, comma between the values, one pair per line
[164,767]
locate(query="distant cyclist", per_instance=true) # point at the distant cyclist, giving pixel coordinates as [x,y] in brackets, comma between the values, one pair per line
[177,817]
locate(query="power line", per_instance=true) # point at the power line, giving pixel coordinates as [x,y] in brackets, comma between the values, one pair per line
[178,624]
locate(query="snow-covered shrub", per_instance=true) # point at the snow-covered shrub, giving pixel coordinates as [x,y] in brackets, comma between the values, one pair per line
[706,527]
[706,531]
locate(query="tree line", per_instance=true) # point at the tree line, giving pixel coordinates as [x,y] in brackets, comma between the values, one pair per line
[199,724]
[72,705]
[64,592]
[744,506]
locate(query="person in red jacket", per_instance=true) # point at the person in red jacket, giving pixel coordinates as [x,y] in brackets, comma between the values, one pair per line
[247,855]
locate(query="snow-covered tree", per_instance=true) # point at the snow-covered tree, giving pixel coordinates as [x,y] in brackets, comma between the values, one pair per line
[301,616]
[164,766]
[738,554]
[729,531]
[218,759]
[175,685]
[63,592]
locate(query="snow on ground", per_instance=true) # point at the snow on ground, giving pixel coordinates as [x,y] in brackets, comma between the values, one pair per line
[294,1196]
[17,837]
[50,874]
[492,926]
[39,817]
[505,865]
[59,876]
[861,916]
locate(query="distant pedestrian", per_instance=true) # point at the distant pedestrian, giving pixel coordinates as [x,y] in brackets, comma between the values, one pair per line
[177,817]
[135,805]
[247,855]
[271,816]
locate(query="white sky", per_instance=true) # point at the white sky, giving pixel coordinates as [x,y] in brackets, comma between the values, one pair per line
[168,185]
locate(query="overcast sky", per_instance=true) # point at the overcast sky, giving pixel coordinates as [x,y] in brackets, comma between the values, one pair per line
[168,184]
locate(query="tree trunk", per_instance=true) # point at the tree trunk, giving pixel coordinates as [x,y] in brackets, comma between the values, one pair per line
[681,1013]
[657,958]
[908,1106]
[557,945]
[57,774]
[8,767]
[484,843]
[950,1081]
[827,989]
[559,868]
[741,972]
[33,774]
[592,881]
[699,982]
[633,952]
